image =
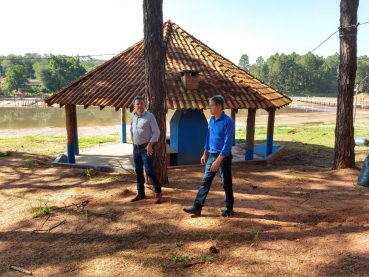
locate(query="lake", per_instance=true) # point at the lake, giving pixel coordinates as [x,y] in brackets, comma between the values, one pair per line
[18,117]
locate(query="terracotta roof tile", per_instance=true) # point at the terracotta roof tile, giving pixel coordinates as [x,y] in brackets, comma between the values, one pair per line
[116,82]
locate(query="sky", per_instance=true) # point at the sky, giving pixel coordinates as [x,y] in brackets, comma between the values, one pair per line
[230,27]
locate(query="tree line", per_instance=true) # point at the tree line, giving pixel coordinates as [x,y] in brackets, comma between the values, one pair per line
[307,74]
[53,71]
[292,74]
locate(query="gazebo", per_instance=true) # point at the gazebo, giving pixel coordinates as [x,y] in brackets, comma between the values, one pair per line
[193,74]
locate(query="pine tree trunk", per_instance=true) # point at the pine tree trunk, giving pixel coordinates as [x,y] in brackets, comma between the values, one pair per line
[155,52]
[344,155]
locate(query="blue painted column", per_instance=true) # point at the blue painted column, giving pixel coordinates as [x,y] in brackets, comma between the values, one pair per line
[124,125]
[75,129]
[250,134]
[270,132]
[70,134]
[233,115]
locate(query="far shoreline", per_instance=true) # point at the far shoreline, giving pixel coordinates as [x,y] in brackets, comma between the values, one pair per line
[282,119]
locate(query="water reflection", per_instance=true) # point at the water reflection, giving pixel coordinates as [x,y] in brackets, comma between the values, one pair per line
[41,116]
[37,117]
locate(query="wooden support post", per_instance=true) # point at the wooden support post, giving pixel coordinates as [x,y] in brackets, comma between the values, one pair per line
[75,129]
[250,134]
[70,134]
[124,125]
[233,115]
[270,132]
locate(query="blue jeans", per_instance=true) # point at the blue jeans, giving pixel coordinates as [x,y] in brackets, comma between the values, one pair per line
[226,176]
[141,159]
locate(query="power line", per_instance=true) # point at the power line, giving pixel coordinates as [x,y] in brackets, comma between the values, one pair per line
[323,42]
[339,28]
[63,56]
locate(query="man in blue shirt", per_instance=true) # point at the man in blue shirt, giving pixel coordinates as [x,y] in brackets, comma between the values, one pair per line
[217,156]
[144,133]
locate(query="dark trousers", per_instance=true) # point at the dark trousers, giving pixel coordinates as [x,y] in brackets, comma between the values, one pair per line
[141,160]
[226,176]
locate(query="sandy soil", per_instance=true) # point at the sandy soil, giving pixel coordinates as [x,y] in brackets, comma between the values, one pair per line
[295,217]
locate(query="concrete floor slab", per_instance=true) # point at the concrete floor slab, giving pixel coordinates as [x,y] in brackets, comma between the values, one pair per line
[118,157]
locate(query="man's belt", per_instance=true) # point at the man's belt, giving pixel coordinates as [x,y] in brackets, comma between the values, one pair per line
[141,145]
[216,155]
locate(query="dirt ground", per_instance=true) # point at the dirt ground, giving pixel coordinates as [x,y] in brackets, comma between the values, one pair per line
[294,217]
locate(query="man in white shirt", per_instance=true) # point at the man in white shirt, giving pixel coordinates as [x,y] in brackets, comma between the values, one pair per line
[144,133]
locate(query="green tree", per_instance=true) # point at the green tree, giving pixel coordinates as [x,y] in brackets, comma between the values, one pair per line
[272,74]
[58,72]
[312,76]
[16,77]
[361,72]
[28,60]
[3,90]
[9,60]
[284,70]
[244,62]
[89,63]
[330,73]
[260,69]
[2,70]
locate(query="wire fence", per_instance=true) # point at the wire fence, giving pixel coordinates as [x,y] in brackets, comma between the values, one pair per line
[361,101]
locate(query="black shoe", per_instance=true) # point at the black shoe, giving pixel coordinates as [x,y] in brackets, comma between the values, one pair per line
[227,213]
[192,210]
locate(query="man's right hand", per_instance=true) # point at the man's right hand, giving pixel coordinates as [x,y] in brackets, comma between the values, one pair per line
[204,158]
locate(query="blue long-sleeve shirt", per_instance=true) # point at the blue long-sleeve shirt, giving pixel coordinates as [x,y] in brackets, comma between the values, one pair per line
[219,138]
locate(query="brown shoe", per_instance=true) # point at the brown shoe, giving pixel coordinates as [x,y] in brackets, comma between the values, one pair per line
[158,198]
[138,197]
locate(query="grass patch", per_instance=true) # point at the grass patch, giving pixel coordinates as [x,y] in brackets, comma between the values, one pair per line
[41,210]
[208,259]
[89,142]
[255,236]
[179,258]
[309,140]
[321,134]
[43,145]
[50,145]
[358,189]
[178,243]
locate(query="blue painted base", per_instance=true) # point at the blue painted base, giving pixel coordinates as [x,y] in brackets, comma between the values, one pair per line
[124,133]
[249,155]
[269,145]
[262,149]
[76,146]
[70,154]
[258,149]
